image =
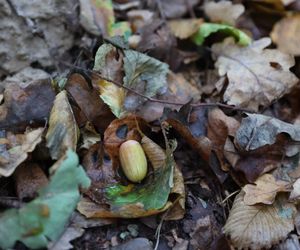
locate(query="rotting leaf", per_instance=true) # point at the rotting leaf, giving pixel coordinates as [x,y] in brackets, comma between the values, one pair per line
[15,149]
[249,84]
[26,104]
[43,219]
[63,131]
[109,63]
[207,29]
[145,75]
[259,226]
[265,190]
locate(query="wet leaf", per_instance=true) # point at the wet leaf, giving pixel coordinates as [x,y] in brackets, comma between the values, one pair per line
[265,190]
[63,131]
[15,149]
[285,34]
[223,11]
[259,226]
[207,29]
[43,219]
[246,67]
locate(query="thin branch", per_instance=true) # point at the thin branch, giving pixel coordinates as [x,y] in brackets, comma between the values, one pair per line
[150,99]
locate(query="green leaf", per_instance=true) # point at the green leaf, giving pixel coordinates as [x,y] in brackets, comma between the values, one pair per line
[139,67]
[207,29]
[44,218]
[151,195]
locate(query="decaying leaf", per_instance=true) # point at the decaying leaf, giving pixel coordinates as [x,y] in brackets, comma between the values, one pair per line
[259,130]
[184,28]
[109,63]
[63,130]
[265,190]
[43,219]
[223,11]
[144,74]
[26,103]
[15,149]
[285,34]
[206,29]
[259,226]
[257,76]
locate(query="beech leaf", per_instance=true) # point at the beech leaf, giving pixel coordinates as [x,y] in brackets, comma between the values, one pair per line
[265,190]
[257,76]
[259,226]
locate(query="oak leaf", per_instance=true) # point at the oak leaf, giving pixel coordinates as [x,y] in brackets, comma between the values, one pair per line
[257,76]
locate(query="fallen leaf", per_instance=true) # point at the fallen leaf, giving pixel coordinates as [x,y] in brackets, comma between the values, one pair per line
[184,28]
[259,226]
[259,130]
[109,63]
[97,17]
[16,148]
[265,190]
[43,219]
[178,7]
[29,178]
[223,11]
[26,104]
[145,75]
[63,131]
[206,29]
[285,34]
[249,85]
[86,104]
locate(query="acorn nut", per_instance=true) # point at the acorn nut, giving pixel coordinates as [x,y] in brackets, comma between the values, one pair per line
[133,160]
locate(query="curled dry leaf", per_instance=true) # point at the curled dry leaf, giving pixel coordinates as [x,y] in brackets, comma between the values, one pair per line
[285,34]
[259,226]
[256,76]
[223,11]
[14,149]
[63,131]
[265,190]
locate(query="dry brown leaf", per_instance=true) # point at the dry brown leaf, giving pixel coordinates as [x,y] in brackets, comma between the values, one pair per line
[15,149]
[223,11]
[63,131]
[257,76]
[286,34]
[259,226]
[265,190]
[185,28]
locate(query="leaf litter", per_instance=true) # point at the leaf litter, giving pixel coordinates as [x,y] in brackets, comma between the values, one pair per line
[199,84]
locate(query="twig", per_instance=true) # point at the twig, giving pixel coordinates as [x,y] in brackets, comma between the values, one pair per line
[194,105]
